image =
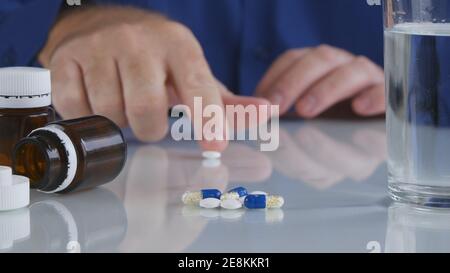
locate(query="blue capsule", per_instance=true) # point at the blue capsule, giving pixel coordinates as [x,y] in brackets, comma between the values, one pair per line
[211,193]
[255,201]
[239,190]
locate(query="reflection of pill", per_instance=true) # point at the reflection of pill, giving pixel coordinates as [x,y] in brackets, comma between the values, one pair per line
[210,213]
[210,203]
[231,214]
[211,155]
[211,163]
[231,204]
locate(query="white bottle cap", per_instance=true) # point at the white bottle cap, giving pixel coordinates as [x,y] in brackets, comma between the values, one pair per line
[14,190]
[24,87]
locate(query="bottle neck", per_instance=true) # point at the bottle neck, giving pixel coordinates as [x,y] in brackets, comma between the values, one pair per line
[42,158]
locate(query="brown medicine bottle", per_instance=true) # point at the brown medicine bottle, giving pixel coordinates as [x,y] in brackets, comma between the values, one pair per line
[71,155]
[25,98]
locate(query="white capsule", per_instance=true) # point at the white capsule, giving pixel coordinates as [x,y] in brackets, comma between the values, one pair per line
[259,193]
[231,204]
[191,198]
[229,195]
[275,202]
[211,155]
[210,203]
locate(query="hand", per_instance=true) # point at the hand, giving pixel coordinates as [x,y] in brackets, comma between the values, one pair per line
[314,79]
[130,65]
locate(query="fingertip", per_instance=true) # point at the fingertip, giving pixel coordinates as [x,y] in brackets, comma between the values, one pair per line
[364,107]
[243,100]
[305,110]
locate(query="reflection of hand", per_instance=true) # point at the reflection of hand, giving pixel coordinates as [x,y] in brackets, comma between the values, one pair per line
[156,180]
[322,161]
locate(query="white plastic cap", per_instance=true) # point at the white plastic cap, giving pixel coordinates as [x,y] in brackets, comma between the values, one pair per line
[24,87]
[14,190]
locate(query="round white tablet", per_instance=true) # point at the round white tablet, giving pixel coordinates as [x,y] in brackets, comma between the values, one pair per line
[231,204]
[210,203]
[211,155]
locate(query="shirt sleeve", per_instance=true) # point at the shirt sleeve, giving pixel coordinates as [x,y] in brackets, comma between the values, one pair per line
[24,28]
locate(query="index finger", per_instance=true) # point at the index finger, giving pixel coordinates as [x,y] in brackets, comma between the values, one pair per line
[193,80]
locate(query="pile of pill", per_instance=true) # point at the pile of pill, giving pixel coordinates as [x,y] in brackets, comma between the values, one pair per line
[233,199]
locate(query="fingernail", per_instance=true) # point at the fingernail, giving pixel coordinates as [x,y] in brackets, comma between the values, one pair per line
[308,105]
[363,104]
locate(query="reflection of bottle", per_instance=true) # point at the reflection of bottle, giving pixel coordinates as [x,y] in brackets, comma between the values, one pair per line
[412,229]
[89,221]
[71,155]
[14,227]
[25,98]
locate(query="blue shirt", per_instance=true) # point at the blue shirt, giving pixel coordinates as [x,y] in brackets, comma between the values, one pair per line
[241,38]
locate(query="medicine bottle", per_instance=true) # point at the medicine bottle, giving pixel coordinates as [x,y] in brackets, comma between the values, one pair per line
[25,98]
[71,155]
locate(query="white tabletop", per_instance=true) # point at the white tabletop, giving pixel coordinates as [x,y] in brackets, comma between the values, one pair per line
[331,173]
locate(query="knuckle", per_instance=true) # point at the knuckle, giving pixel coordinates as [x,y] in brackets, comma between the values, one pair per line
[328,53]
[128,31]
[63,73]
[198,81]
[178,30]
[66,103]
[130,35]
[292,53]
[144,106]
[368,68]
[94,39]
[363,61]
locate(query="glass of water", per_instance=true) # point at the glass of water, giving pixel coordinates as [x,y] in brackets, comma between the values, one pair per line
[417,67]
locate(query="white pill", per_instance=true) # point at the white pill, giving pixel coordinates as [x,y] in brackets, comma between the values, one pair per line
[231,204]
[211,155]
[210,203]
[258,193]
